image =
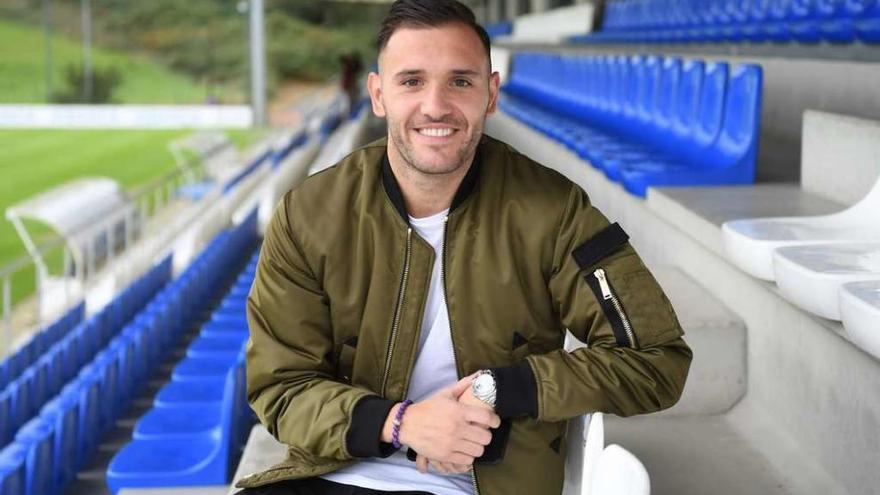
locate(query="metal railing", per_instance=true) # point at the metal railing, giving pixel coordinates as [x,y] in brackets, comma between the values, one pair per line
[77,258]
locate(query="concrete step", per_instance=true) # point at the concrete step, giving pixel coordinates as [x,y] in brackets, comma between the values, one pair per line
[717,378]
[717,454]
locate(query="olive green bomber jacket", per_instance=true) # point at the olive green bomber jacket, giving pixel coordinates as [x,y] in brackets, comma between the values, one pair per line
[336,307]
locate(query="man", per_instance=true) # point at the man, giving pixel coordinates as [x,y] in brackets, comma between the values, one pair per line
[411,302]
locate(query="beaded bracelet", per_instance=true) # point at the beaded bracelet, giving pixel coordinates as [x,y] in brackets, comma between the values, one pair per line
[395,428]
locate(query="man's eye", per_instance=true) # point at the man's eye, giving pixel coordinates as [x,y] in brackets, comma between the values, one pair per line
[411,83]
[461,83]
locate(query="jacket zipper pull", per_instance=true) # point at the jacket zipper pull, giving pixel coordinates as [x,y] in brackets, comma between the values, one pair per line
[603,283]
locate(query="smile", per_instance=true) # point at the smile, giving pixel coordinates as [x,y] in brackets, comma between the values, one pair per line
[435,131]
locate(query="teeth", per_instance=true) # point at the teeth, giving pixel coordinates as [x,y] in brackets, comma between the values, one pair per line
[433,132]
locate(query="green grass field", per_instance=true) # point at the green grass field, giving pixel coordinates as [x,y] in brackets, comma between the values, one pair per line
[32,161]
[22,71]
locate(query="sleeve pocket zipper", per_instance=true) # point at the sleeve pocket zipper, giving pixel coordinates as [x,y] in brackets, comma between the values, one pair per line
[613,309]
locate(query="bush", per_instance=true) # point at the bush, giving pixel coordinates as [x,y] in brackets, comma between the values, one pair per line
[105,80]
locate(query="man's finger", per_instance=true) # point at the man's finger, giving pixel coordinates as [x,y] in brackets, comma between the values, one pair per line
[422,464]
[470,448]
[462,385]
[482,417]
[440,467]
[477,434]
[459,458]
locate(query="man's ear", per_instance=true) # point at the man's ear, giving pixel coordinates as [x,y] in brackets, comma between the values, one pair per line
[494,87]
[374,86]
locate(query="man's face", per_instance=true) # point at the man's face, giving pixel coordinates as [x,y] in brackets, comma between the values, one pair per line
[435,89]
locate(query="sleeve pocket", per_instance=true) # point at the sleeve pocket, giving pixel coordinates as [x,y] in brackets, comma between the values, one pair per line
[652,316]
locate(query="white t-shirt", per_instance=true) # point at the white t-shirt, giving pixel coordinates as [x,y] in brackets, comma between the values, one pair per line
[434,369]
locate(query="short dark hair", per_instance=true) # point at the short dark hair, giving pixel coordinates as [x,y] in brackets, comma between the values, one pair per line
[427,14]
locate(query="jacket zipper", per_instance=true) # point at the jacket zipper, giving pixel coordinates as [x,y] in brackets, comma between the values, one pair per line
[399,309]
[609,295]
[473,471]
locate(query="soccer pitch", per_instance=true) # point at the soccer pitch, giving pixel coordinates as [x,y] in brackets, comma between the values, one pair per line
[32,161]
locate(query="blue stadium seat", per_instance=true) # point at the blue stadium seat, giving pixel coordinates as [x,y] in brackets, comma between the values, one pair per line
[186,393]
[135,335]
[39,386]
[652,120]
[106,367]
[731,157]
[836,22]
[52,362]
[176,458]
[867,19]
[215,329]
[21,397]
[4,374]
[229,317]
[63,413]
[125,351]
[235,306]
[39,438]
[7,419]
[217,346]
[193,369]
[87,390]
[805,21]
[13,469]
[687,104]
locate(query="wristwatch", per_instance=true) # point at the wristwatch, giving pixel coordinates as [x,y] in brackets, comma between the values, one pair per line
[483,387]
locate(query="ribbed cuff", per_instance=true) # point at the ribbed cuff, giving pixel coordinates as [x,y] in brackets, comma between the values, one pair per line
[516,391]
[364,438]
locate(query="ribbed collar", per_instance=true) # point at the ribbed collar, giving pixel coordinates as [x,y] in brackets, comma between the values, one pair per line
[392,188]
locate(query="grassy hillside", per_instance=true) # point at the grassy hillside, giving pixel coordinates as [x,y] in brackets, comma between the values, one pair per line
[22,72]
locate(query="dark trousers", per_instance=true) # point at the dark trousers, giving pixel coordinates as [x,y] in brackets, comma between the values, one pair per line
[316,486]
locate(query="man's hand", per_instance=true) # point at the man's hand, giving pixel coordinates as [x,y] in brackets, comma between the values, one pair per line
[467,398]
[444,429]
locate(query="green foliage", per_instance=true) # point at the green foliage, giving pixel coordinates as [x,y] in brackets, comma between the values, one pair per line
[23,69]
[315,53]
[207,40]
[105,80]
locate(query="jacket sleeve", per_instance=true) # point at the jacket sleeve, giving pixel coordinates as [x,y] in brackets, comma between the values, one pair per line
[636,361]
[290,372]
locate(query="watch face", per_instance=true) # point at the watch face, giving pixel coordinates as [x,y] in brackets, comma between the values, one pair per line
[483,384]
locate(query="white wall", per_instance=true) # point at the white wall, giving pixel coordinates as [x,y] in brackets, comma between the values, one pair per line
[125,116]
[553,25]
[840,157]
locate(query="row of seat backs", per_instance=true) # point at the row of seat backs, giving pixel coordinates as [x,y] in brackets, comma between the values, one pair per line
[13,365]
[211,452]
[839,21]
[67,398]
[22,398]
[700,112]
[48,450]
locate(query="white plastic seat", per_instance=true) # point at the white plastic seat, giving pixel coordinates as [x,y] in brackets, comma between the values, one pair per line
[618,472]
[860,312]
[586,440]
[811,276]
[750,243]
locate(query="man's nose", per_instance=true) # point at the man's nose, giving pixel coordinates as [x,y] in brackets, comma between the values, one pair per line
[436,105]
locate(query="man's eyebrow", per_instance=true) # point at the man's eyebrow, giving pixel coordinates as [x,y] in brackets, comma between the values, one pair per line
[409,72]
[456,72]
